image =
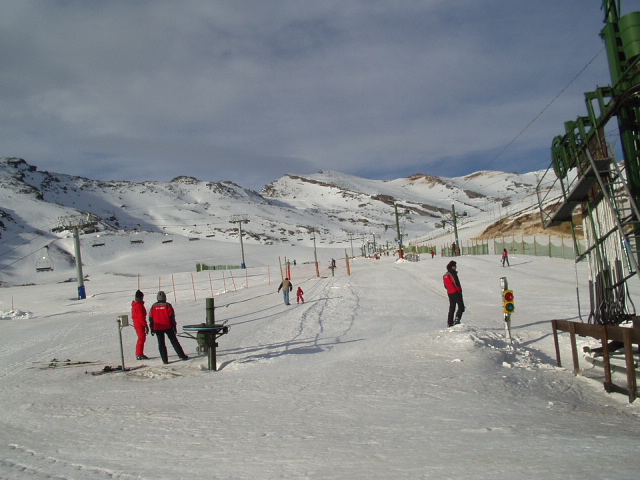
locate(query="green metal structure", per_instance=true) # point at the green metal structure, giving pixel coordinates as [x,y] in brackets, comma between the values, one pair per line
[595,192]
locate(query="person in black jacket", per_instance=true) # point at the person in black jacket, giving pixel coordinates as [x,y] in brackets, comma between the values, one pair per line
[454,291]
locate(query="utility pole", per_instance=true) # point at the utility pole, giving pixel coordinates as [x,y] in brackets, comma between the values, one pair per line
[406,212]
[454,222]
[240,219]
[351,241]
[315,253]
[75,224]
[455,228]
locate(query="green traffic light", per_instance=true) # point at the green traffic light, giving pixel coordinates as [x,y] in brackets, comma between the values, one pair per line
[509,301]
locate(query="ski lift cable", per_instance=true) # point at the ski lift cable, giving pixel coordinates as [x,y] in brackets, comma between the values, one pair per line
[36,232]
[506,147]
[23,257]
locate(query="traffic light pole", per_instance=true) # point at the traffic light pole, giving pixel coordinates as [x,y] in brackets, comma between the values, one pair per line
[507,316]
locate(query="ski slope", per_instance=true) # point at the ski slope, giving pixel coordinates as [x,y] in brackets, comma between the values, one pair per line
[363,381]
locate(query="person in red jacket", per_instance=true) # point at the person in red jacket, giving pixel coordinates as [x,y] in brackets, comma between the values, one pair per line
[505,257]
[299,293]
[162,320]
[454,291]
[139,317]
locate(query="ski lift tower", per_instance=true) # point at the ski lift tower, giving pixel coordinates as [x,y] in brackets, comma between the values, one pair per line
[398,215]
[240,219]
[592,190]
[75,223]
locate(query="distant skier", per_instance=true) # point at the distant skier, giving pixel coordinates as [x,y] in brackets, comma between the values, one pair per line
[299,296]
[454,291]
[162,319]
[139,317]
[286,287]
[505,257]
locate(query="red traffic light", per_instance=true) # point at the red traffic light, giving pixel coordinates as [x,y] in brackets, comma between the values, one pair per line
[508,301]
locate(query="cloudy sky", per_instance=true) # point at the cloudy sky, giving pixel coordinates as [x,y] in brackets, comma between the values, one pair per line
[248,90]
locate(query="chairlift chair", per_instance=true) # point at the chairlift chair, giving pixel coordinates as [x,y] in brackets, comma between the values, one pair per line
[44,264]
[98,242]
[136,237]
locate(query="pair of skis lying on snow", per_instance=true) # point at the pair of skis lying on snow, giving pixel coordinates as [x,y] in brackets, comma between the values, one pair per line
[55,363]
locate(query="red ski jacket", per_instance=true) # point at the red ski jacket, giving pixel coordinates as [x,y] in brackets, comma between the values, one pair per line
[138,314]
[450,283]
[162,316]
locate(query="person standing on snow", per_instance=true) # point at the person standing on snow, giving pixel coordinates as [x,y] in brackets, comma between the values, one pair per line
[286,287]
[162,319]
[505,257]
[454,291]
[139,317]
[299,294]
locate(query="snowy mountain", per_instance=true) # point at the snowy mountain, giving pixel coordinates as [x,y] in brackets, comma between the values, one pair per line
[362,380]
[328,209]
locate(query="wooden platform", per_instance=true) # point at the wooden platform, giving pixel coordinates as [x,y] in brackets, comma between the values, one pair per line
[606,334]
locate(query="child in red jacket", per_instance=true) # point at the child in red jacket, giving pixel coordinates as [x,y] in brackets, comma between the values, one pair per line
[139,317]
[299,295]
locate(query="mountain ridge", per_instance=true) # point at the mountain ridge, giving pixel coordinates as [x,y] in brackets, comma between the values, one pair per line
[295,210]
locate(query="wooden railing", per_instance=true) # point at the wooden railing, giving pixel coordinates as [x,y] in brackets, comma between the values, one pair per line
[609,335]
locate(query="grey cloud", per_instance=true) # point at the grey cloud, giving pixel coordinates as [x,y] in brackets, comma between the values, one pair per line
[269,87]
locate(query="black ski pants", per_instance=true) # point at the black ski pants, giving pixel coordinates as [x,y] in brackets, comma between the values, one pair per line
[455,299]
[163,347]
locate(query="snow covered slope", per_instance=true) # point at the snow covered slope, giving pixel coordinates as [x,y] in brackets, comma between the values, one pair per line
[362,381]
[328,210]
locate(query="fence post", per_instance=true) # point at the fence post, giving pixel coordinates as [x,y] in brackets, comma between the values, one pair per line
[173,282]
[233,280]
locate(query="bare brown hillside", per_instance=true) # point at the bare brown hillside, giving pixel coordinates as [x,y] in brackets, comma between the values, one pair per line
[528,224]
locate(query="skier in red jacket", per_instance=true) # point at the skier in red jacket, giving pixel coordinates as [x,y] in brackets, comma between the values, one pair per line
[139,317]
[299,293]
[162,319]
[505,257]
[454,291]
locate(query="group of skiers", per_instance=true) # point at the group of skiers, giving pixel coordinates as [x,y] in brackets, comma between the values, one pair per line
[162,320]
[286,286]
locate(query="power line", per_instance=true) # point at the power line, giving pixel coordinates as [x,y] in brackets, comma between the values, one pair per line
[506,147]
